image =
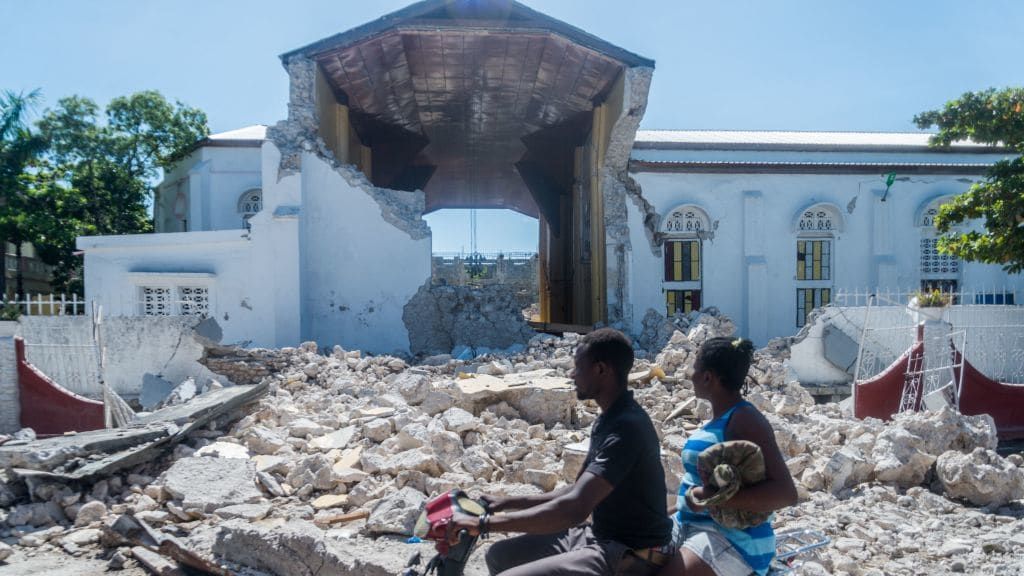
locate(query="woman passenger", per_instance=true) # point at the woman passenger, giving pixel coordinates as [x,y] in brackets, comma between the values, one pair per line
[705,546]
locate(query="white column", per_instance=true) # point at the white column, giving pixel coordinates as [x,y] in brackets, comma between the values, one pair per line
[884,270]
[756,286]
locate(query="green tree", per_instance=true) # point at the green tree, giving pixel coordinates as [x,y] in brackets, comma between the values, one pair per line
[109,166]
[19,148]
[988,117]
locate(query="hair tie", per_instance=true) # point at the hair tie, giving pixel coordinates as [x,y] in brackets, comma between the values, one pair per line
[736,343]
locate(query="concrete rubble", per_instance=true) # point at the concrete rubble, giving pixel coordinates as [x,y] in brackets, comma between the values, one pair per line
[326,473]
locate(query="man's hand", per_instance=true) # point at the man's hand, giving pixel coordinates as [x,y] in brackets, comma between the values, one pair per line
[698,492]
[460,522]
[494,503]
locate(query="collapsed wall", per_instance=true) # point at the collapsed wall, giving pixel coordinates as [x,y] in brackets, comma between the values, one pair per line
[365,251]
[616,187]
[441,318]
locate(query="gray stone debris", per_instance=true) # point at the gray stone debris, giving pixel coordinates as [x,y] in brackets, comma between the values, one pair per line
[207,484]
[337,458]
[397,513]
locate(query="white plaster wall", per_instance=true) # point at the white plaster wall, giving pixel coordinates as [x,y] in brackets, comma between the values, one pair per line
[357,270]
[232,171]
[869,251]
[275,237]
[237,276]
[214,177]
[135,346]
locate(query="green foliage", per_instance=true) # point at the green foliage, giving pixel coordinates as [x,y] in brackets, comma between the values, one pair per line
[988,117]
[19,148]
[10,312]
[932,299]
[89,172]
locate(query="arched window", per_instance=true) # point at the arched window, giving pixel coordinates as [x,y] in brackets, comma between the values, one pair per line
[938,271]
[249,203]
[815,227]
[684,230]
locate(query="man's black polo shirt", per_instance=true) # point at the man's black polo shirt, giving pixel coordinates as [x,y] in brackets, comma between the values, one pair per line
[624,450]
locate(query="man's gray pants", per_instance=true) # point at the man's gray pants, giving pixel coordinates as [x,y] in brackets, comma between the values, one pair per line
[575,552]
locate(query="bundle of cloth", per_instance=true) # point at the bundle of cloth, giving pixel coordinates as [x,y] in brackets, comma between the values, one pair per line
[727,467]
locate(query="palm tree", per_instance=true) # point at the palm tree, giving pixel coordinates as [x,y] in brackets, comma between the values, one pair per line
[19,145]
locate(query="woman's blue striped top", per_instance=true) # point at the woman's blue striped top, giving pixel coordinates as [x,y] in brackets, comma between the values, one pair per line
[756,544]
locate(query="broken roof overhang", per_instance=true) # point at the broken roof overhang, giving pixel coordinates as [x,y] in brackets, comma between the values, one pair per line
[496,15]
[470,81]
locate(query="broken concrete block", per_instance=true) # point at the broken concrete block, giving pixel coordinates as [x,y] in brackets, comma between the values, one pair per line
[154,390]
[5,551]
[397,513]
[90,512]
[899,459]
[982,477]
[458,420]
[83,537]
[299,548]
[210,483]
[537,396]
[477,463]
[412,460]
[343,475]
[542,479]
[329,501]
[270,464]
[413,387]
[272,486]
[262,440]
[846,468]
[334,440]
[349,458]
[251,512]
[378,430]
[313,471]
[573,456]
[303,427]
[436,402]
[224,450]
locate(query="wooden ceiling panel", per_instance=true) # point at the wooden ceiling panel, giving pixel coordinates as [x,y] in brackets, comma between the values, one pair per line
[473,94]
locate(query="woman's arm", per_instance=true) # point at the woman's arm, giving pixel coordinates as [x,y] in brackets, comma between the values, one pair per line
[777,490]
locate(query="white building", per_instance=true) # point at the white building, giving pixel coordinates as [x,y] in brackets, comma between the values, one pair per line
[313,230]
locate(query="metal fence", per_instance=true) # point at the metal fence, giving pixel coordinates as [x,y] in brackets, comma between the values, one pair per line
[901,297]
[44,305]
[511,255]
[885,324]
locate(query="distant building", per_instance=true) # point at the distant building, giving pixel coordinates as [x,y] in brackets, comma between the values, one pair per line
[312,229]
[36,275]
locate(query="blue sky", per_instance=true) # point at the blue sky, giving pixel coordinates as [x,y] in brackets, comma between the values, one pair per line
[724,64]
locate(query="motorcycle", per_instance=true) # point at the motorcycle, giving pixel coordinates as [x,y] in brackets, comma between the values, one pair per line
[434,524]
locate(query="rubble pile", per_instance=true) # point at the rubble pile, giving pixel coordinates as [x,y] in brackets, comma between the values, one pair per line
[327,472]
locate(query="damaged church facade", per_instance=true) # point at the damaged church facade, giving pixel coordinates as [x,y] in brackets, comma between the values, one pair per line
[313,230]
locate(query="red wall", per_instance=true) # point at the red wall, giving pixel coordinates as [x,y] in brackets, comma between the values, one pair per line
[48,408]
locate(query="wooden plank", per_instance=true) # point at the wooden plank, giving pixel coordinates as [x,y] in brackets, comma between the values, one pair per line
[341,518]
[559,328]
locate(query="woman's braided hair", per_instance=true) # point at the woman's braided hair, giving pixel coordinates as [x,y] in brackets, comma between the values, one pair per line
[729,358]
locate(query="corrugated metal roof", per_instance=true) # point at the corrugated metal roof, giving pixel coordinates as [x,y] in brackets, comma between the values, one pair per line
[254,132]
[786,138]
[801,163]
